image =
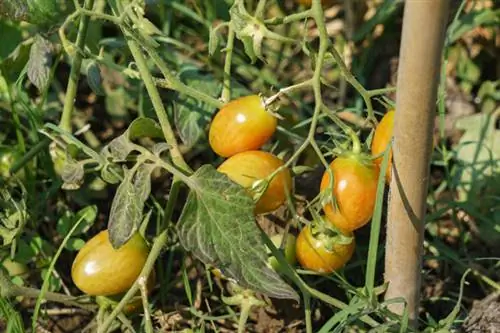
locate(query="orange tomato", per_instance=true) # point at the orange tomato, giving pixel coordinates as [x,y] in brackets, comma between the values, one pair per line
[381,139]
[99,269]
[247,167]
[354,191]
[321,253]
[241,125]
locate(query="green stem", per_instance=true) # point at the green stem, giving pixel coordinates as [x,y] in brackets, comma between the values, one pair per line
[290,18]
[147,315]
[366,95]
[179,86]
[74,74]
[307,312]
[226,89]
[9,289]
[161,113]
[259,11]
[156,249]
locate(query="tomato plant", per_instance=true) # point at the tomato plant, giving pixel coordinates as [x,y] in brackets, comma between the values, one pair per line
[320,251]
[241,125]
[288,250]
[99,269]
[248,167]
[353,192]
[381,139]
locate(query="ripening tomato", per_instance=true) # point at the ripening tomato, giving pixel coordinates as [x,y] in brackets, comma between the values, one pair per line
[247,167]
[323,253]
[354,191]
[99,269]
[381,139]
[241,125]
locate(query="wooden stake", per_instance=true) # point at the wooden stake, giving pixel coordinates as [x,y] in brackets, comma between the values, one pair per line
[424,24]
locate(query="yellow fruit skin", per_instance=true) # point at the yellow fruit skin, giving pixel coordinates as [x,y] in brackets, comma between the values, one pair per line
[247,167]
[313,255]
[354,189]
[242,124]
[100,270]
[381,139]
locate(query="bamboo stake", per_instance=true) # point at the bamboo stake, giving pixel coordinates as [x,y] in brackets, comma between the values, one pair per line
[423,34]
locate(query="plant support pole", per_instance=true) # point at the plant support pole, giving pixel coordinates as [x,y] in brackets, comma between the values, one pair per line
[422,42]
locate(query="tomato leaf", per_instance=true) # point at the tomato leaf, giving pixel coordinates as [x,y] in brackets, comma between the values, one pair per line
[72,174]
[192,115]
[119,148]
[40,62]
[217,225]
[94,78]
[128,204]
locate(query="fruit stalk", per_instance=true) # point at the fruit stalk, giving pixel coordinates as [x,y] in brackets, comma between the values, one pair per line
[420,55]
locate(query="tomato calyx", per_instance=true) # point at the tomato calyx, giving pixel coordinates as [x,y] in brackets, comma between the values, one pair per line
[329,234]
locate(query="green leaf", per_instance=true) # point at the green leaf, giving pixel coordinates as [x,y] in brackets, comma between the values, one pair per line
[66,222]
[12,66]
[217,225]
[128,204]
[119,148]
[471,20]
[94,78]
[191,115]
[11,37]
[13,216]
[74,244]
[40,62]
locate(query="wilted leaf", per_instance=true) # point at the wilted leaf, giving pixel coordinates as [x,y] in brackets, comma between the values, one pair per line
[13,216]
[72,174]
[128,204]
[94,78]
[217,225]
[40,62]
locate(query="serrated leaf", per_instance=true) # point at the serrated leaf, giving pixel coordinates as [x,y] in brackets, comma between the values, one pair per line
[217,225]
[39,62]
[191,115]
[142,181]
[128,204]
[119,148]
[126,212]
[94,78]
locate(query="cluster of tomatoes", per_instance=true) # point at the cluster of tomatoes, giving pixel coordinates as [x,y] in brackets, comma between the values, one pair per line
[244,125]
[237,132]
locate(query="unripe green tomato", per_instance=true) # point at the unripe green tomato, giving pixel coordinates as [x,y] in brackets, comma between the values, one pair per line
[289,251]
[101,270]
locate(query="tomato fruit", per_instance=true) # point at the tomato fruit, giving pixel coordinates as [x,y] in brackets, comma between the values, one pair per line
[241,125]
[322,253]
[354,191]
[381,139]
[247,167]
[99,269]
[135,303]
[289,250]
